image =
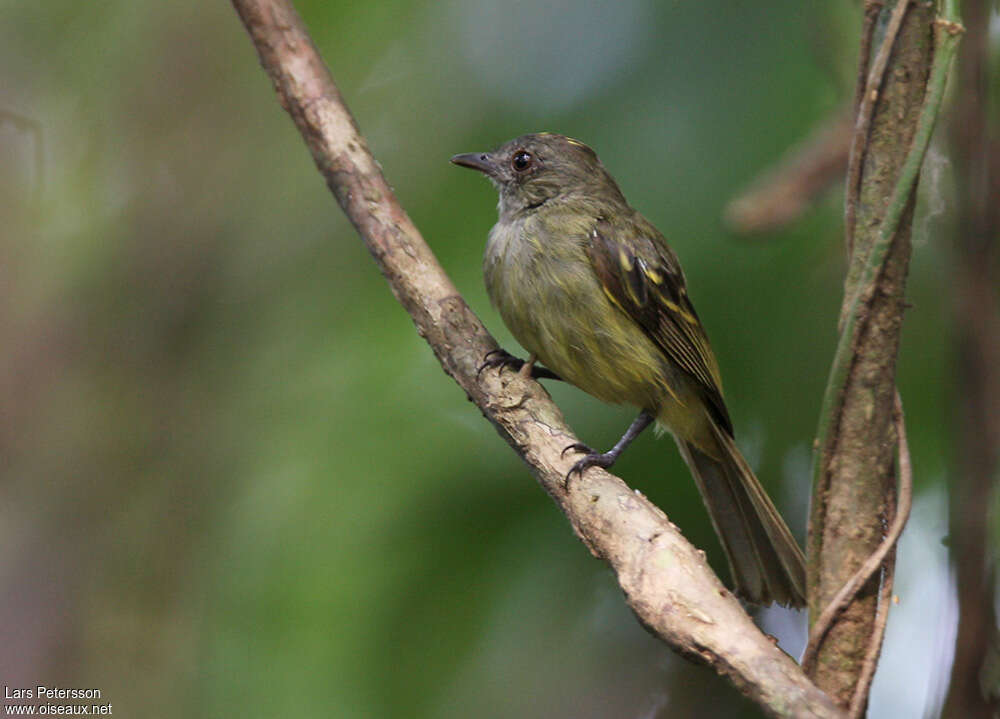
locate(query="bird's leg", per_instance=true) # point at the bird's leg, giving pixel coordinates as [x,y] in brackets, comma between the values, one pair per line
[528,367]
[503,358]
[605,460]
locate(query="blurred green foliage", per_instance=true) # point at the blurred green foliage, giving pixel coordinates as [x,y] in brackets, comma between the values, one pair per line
[236,482]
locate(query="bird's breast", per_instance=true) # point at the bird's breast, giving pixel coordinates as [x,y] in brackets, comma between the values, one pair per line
[548,295]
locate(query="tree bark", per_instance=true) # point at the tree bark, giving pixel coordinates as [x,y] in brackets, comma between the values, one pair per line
[855,461]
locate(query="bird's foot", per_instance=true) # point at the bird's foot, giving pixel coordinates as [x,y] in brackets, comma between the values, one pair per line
[504,359]
[590,459]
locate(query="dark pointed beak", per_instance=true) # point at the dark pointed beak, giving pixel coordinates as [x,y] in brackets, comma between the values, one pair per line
[475,160]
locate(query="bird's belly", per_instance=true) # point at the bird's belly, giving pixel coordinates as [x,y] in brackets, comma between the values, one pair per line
[574,330]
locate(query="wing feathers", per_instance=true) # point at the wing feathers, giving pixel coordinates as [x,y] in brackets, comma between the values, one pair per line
[641,275]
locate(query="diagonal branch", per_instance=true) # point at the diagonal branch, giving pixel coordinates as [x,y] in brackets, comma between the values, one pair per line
[783,192]
[665,579]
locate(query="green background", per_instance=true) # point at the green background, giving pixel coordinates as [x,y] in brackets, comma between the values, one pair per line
[235,481]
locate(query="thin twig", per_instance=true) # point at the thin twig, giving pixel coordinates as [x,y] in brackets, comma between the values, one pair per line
[871,565]
[866,111]
[780,194]
[873,8]
[859,700]
[861,689]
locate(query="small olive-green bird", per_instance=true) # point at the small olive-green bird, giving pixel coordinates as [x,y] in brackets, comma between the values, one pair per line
[592,290]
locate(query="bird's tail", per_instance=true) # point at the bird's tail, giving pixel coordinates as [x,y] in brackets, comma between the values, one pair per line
[764,558]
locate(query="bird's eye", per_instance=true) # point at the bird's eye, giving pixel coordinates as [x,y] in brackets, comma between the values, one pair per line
[521,161]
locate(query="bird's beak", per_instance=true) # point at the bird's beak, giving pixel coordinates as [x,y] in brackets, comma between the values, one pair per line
[475,160]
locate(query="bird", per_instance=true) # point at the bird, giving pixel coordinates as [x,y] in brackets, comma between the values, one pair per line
[591,289]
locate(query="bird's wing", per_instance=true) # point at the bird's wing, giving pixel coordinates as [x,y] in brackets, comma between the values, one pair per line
[641,275]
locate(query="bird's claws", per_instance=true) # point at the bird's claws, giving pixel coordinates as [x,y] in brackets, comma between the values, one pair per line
[499,358]
[590,459]
[577,447]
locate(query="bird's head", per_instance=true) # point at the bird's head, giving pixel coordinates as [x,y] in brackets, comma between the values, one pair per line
[532,170]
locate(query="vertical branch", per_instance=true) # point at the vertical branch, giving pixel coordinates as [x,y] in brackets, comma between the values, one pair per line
[853,469]
[976,317]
